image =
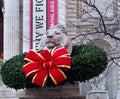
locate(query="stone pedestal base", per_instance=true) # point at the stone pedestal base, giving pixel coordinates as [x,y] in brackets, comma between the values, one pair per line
[59,92]
[97,94]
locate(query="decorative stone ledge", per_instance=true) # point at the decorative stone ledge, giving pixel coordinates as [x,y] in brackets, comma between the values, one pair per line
[55,97]
[59,92]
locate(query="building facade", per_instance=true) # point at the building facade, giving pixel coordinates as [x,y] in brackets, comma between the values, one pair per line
[17,22]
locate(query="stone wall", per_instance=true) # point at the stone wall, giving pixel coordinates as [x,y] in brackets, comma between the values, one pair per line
[75,25]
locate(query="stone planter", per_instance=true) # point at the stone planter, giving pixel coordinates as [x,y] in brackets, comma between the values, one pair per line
[59,92]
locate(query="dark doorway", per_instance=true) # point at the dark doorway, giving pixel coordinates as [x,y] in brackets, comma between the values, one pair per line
[1,33]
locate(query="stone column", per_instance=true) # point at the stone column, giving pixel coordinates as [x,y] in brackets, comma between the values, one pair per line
[71,17]
[73,20]
[26,23]
[11,29]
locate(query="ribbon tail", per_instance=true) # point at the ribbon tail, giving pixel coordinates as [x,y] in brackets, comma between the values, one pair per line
[57,75]
[40,78]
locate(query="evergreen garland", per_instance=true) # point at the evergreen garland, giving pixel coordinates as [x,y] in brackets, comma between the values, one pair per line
[88,61]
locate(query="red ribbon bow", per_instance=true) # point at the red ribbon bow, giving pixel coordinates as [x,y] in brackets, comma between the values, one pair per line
[41,65]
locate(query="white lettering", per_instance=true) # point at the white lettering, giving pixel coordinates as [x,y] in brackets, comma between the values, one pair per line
[52,6]
[52,10]
[52,18]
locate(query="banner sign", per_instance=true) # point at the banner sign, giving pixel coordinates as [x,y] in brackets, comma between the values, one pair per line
[52,13]
[38,22]
[45,14]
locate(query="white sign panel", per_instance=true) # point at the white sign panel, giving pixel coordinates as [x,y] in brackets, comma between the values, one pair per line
[38,22]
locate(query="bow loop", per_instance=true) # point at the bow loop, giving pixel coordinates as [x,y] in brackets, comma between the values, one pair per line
[58,52]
